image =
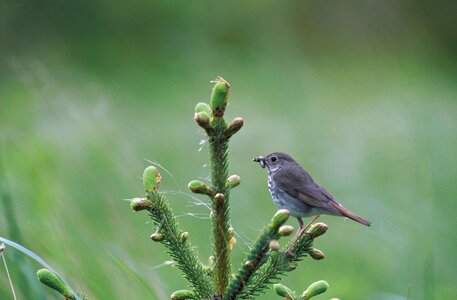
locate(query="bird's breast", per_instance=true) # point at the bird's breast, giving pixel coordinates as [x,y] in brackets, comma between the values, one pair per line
[273,190]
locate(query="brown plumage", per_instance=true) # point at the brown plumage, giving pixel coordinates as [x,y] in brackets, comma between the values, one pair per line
[292,188]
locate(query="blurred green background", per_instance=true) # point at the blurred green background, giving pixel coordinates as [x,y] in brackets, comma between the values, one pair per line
[362,93]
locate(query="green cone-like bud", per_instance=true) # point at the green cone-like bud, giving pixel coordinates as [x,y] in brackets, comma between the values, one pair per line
[138,204]
[202,119]
[280,218]
[211,261]
[157,237]
[249,264]
[234,127]
[316,254]
[274,245]
[151,179]
[184,235]
[198,187]
[219,97]
[317,229]
[285,230]
[231,231]
[232,243]
[182,295]
[283,291]
[315,289]
[54,282]
[219,198]
[292,266]
[232,181]
[203,107]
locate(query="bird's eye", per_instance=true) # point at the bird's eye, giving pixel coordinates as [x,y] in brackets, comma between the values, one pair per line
[274,158]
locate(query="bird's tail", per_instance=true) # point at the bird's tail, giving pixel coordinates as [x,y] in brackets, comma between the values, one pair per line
[351,215]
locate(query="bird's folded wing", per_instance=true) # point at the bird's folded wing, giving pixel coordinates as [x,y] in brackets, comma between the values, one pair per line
[302,186]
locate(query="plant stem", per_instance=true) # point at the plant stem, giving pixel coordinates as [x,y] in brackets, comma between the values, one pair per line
[219,173]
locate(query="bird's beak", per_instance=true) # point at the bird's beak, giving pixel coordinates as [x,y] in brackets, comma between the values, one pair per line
[260,160]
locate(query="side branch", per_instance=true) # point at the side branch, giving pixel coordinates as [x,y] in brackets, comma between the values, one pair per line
[258,254]
[178,247]
[169,234]
[281,262]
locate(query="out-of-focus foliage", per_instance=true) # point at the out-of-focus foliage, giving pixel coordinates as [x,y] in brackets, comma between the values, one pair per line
[363,94]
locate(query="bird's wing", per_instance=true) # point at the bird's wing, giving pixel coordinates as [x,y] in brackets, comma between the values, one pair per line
[299,184]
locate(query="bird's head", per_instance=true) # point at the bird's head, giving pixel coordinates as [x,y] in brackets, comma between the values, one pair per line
[274,161]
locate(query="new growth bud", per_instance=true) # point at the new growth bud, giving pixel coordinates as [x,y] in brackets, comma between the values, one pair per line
[157,237]
[182,295]
[203,107]
[316,254]
[285,230]
[292,266]
[54,282]
[249,264]
[151,179]
[219,198]
[315,289]
[283,291]
[185,236]
[203,115]
[231,230]
[219,97]
[234,127]
[280,218]
[274,245]
[211,261]
[317,230]
[138,204]
[202,119]
[232,243]
[198,187]
[232,181]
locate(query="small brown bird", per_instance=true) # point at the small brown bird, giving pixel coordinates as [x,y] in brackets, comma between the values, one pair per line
[292,188]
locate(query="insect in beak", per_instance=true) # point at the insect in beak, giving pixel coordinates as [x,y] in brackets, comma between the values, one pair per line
[260,160]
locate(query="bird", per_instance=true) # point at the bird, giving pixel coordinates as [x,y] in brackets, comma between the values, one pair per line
[292,188]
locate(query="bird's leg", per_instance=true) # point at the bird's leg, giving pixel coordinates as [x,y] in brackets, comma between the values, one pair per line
[296,236]
[309,225]
[299,233]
